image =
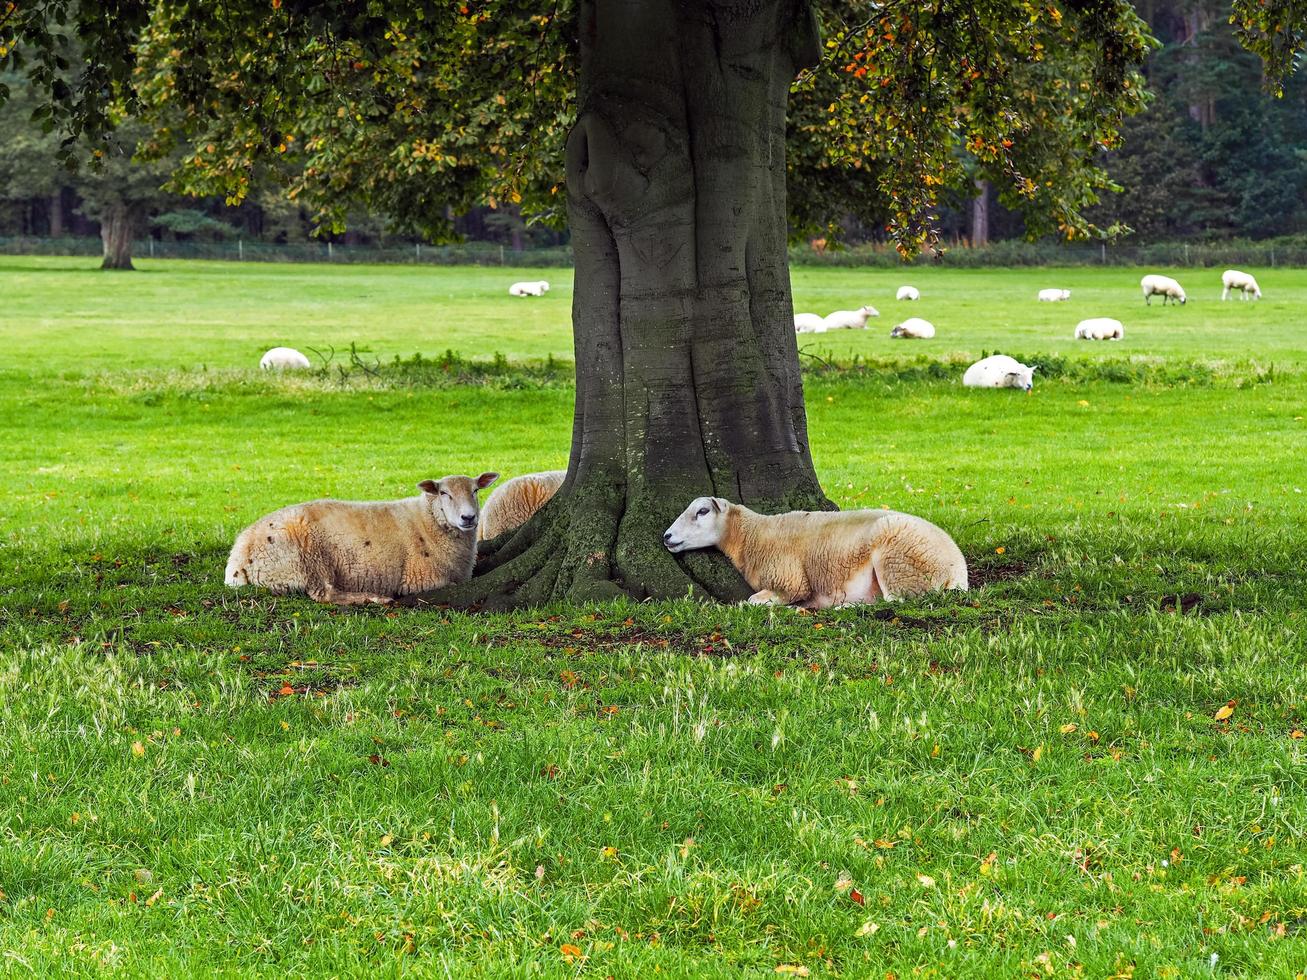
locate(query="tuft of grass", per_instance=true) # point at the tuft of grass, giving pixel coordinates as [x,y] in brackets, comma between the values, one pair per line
[1090,764]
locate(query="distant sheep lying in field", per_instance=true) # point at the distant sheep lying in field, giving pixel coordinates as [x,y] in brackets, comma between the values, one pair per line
[999,371]
[350,553]
[914,328]
[1054,295]
[537,288]
[839,320]
[1163,286]
[908,292]
[1100,328]
[514,501]
[823,559]
[850,319]
[284,359]
[1242,281]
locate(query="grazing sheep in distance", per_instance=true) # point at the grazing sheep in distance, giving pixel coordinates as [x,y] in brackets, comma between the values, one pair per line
[1163,286]
[1242,281]
[849,319]
[284,359]
[809,323]
[349,552]
[914,328]
[823,559]
[908,292]
[1054,295]
[512,503]
[537,288]
[1100,328]
[1000,371]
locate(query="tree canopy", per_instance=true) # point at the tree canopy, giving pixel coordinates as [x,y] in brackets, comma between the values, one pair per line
[413,108]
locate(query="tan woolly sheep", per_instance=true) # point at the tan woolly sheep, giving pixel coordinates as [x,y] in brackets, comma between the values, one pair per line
[822,559]
[514,501]
[350,552]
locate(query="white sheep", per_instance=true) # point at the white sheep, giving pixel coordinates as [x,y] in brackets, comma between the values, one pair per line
[914,328]
[1100,328]
[1000,371]
[823,559]
[1054,295]
[848,319]
[284,359]
[1242,281]
[537,287]
[1163,286]
[809,323]
[349,552]
[513,502]
[908,292]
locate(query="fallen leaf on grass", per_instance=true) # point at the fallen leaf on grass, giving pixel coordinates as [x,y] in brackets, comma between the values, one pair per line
[1038,753]
[868,928]
[793,969]
[571,953]
[138,749]
[378,760]
[1226,710]
[857,897]
[1068,728]
[926,880]
[149,902]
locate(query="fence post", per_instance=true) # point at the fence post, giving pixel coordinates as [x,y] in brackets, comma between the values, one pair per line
[330,253]
[1186,253]
[417,250]
[501,254]
[1103,246]
[1272,257]
[152,247]
[240,250]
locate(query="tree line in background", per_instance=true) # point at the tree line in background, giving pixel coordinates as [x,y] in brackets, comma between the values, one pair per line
[1214,157]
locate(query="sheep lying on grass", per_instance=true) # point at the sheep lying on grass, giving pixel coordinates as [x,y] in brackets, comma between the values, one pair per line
[1100,328]
[512,503]
[284,359]
[1163,286]
[1054,295]
[349,553]
[908,292]
[999,371]
[914,328]
[536,288]
[809,323]
[819,559]
[1242,281]
[849,319]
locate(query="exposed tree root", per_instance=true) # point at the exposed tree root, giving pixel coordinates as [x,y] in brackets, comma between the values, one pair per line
[575,552]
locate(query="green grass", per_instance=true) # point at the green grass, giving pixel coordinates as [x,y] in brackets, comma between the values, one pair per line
[668,786]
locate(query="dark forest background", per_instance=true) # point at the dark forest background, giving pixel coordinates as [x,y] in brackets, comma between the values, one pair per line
[1214,158]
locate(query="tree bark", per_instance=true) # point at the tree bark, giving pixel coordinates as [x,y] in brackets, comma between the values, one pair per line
[980,214]
[688,379]
[116,226]
[57,214]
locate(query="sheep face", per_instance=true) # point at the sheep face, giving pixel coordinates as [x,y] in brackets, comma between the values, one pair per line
[453,499]
[1023,379]
[701,525]
[869,311]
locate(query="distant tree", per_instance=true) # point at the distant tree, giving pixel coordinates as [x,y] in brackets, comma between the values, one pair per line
[675,138]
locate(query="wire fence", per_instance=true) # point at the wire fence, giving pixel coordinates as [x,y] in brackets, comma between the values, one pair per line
[241,250]
[1283,252]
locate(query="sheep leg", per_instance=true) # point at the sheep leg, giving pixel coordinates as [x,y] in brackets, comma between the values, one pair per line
[765,597]
[328,593]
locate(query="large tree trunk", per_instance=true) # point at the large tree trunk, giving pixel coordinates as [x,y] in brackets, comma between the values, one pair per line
[980,214]
[116,226]
[688,378]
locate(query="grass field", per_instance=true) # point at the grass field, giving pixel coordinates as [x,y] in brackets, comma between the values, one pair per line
[1030,779]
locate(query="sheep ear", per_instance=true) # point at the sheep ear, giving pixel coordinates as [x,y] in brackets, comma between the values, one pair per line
[429,486]
[718,504]
[485,479]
